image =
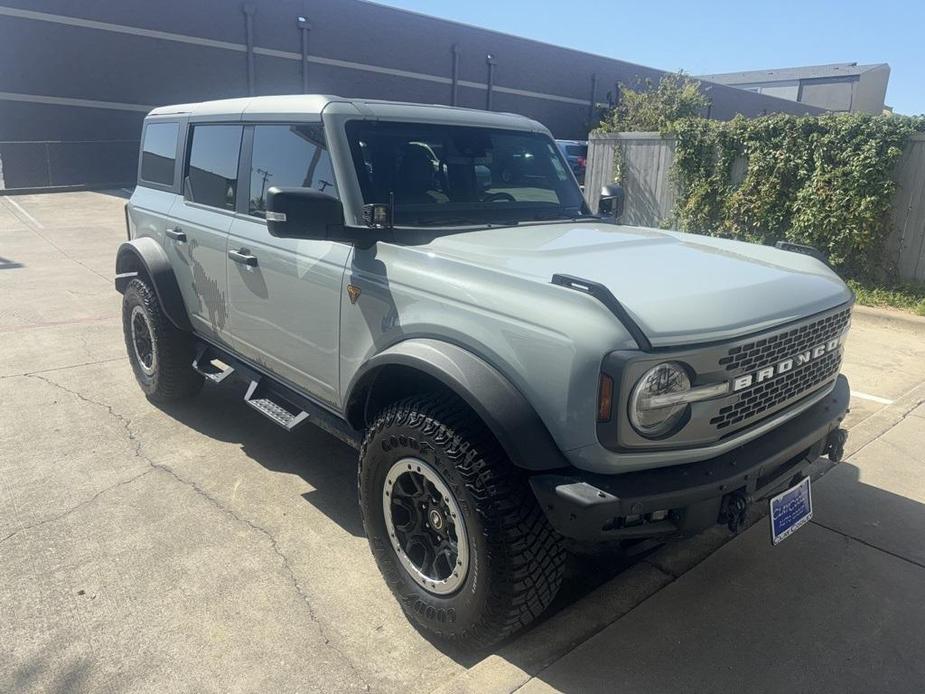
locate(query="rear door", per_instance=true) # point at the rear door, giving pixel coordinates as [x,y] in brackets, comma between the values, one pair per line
[284,294]
[200,220]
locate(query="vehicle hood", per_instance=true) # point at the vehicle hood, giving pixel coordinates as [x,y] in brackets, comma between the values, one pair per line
[679,288]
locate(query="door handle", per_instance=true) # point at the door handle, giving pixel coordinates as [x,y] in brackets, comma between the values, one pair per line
[176,234]
[243,257]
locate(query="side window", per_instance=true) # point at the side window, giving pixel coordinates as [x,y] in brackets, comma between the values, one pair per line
[212,166]
[288,155]
[159,152]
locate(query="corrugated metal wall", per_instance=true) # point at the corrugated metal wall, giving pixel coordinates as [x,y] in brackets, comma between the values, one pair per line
[79,76]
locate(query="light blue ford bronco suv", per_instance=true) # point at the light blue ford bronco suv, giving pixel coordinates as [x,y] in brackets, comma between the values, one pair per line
[518,372]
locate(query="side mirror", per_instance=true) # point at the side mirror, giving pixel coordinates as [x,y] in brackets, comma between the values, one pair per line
[303,213]
[611,201]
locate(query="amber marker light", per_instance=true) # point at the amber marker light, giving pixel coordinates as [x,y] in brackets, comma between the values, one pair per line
[605,398]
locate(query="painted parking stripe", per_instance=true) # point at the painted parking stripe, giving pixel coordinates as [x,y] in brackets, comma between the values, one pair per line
[872,398]
[25,214]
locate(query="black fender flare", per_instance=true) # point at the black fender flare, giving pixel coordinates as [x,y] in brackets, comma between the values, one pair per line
[146,255]
[497,402]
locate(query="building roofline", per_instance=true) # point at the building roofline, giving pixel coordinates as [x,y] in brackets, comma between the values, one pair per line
[792,73]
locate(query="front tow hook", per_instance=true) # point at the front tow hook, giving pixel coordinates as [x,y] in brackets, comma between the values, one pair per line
[835,445]
[733,511]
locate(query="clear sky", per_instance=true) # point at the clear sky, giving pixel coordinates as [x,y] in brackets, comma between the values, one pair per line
[703,37]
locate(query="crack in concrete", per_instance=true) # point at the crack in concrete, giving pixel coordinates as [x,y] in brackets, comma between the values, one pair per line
[848,536]
[274,544]
[76,507]
[61,368]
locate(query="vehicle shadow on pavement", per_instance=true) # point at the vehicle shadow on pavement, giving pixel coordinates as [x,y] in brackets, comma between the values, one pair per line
[71,678]
[330,467]
[7,264]
[776,618]
[323,461]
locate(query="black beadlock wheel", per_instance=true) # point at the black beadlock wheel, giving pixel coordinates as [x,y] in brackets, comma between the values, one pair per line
[453,525]
[160,353]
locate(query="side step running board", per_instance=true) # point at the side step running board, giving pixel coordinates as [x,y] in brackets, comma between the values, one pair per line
[274,407]
[204,364]
[277,401]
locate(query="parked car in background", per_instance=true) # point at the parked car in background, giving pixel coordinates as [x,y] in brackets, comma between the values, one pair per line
[576,153]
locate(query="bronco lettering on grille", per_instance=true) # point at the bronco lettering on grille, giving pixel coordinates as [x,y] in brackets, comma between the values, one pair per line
[785,365]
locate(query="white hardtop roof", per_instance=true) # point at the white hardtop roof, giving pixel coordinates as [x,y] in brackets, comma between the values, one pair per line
[309,104]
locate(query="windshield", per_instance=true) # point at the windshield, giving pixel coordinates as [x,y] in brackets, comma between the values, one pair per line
[446,175]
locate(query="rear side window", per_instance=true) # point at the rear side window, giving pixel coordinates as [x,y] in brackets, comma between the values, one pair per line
[212,165]
[159,152]
[288,155]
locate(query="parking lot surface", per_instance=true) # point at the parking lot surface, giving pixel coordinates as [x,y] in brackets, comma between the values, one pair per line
[200,548]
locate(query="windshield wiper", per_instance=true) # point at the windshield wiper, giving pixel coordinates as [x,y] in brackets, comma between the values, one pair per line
[444,221]
[564,215]
[463,221]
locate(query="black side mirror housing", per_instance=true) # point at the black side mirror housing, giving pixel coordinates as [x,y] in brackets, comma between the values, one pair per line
[611,201]
[303,213]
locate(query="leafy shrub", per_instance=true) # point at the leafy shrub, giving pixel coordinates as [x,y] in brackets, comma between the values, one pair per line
[826,181]
[653,107]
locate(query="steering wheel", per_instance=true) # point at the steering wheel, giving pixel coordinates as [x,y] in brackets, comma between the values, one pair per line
[498,197]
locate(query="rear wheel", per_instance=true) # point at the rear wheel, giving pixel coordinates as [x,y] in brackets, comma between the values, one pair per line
[453,525]
[160,353]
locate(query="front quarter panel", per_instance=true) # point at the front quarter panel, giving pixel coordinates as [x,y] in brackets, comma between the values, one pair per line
[548,341]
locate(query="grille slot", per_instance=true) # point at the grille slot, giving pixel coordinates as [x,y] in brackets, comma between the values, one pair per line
[753,356]
[781,389]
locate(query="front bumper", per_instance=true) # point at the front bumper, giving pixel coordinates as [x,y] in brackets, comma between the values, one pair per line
[685,499]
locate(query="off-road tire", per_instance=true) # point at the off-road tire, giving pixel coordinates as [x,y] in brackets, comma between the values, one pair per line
[172,377]
[516,560]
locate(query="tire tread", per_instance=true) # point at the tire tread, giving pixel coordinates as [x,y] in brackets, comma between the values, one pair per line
[527,553]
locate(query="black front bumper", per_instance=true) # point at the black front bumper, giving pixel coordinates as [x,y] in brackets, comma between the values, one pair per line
[685,499]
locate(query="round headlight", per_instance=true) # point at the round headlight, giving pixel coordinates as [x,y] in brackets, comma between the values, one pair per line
[652,409]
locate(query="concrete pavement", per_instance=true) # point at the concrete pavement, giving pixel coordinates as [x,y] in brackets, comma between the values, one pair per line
[199,548]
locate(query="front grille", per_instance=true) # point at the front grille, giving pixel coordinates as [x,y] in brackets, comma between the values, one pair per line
[788,386]
[753,356]
[769,373]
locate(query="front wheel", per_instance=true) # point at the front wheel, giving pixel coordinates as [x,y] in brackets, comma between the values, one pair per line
[453,525]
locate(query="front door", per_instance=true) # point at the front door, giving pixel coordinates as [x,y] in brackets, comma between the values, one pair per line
[197,235]
[284,294]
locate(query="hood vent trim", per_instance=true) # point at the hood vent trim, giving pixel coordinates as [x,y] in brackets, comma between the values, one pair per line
[604,295]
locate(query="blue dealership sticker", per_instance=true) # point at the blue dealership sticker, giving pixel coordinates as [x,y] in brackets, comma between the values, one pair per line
[791,510]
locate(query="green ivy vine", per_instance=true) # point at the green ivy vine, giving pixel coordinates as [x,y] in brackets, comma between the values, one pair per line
[826,181]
